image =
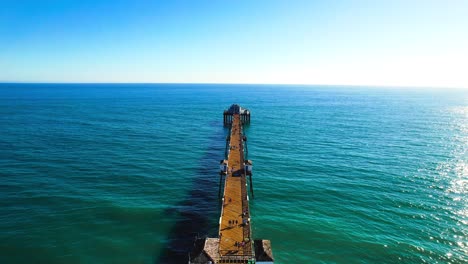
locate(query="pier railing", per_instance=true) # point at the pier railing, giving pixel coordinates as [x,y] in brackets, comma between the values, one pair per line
[230,255]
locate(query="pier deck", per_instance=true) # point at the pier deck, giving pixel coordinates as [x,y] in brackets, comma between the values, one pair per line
[234,229]
[234,243]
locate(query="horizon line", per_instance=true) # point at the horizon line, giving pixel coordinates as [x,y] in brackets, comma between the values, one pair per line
[240,83]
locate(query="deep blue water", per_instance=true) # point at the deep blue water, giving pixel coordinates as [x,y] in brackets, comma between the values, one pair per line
[102,173]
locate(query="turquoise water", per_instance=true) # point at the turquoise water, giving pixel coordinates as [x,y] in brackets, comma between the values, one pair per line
[128,173]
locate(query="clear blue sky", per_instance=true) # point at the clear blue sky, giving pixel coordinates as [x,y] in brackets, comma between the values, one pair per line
[410,43]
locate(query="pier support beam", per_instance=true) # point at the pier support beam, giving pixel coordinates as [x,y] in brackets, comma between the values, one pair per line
[251,186]
[246,150]
[226,149]
[220,185]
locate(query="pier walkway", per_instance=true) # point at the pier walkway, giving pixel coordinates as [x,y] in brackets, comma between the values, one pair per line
[234,243]
[234,228]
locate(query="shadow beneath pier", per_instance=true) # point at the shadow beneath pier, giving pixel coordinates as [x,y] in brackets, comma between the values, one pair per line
[198,213]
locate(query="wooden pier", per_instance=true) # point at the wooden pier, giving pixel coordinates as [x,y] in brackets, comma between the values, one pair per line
[234,243]
[234,228]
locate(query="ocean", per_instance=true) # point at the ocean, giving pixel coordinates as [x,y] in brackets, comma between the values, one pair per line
[128,173]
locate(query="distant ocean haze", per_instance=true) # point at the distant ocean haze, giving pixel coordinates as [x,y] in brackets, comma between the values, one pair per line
[127,173]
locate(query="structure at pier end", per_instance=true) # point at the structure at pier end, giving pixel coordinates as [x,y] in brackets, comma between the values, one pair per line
[234,243]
